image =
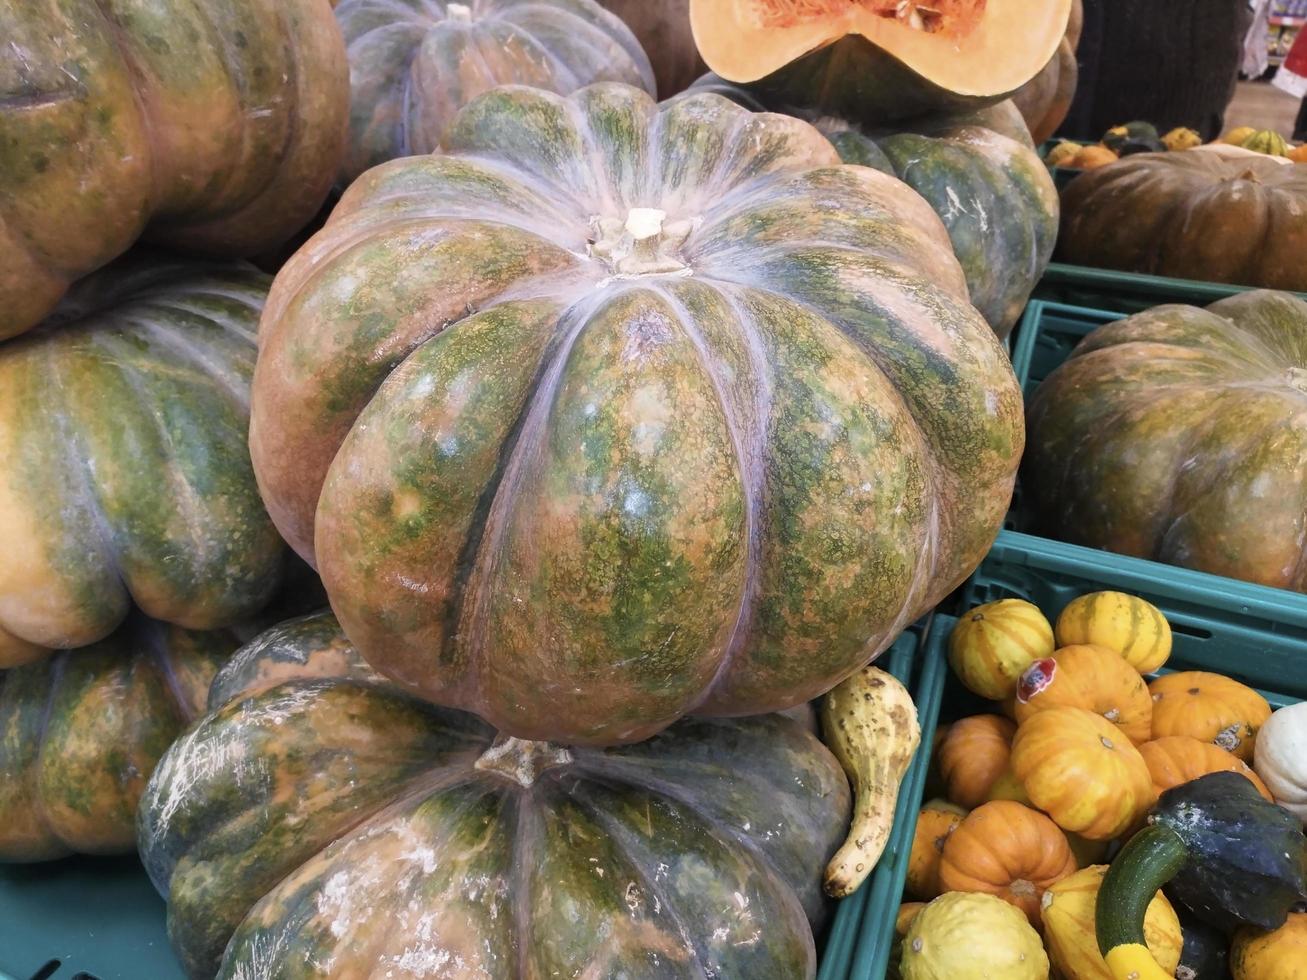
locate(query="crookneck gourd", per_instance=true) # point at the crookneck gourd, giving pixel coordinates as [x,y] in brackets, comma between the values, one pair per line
[1178,435]
[977,169]
[877,60]
[1200,214]
[81,732]
[617,411]
[212,125]
[415,63]
[126,473]
[364,830]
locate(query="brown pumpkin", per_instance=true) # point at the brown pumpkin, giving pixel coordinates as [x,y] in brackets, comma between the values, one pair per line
[1194,215]
[936,821]
[1007,850]
[1177,435]
[1082,771]
[1211,708]
[1177,759]
[1090,677]
[663,29]
[214,126]
[973,755]
[1045,100]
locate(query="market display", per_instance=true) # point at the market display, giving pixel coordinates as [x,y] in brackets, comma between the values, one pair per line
[625,435]
[1157,435]
[414,64]
[127,478]
[666,385]
[174,121]
[369,826]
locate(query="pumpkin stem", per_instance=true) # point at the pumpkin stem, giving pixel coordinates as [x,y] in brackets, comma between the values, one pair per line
[522,760]
[1152,857]
[460,12]
[645,244]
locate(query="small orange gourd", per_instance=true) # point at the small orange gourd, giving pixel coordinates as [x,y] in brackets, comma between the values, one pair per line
[1082,771]
[1007,850]
[1277,955]
[973,754]
[936,821]
[1178,759]
[1090,677]
[1209,707]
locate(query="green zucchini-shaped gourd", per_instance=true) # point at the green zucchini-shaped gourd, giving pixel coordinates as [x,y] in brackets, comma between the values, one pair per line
[1222,850]
[321,822]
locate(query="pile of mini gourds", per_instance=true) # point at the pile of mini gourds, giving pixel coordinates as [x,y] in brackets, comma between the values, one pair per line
[1036,794]
[1143,137]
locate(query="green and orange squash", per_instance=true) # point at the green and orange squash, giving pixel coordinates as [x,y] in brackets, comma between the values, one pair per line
[127,475]
[1176,435]
[415,63]
[366,828]
[991,646]
[978,170]
[615,412]
[182,122]
[80,733]
[1217,214]
[878,60]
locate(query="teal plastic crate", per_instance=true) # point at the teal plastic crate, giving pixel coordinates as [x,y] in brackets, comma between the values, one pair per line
[1046,335]
[101,919]
[1126,292]
[1253,634]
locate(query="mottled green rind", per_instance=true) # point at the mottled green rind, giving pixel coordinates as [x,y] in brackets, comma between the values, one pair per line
[978,170]
[412,68]
[1180,435]
[337,827]
[582,498]
[130,478]
[189,128]
[80,734]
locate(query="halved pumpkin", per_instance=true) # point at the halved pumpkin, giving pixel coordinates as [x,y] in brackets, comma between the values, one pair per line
[887,59]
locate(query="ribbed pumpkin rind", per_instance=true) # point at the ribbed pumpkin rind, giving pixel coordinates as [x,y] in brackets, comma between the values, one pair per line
[362,813]
[128,477]
[81,732]
[717,491]
[415,63]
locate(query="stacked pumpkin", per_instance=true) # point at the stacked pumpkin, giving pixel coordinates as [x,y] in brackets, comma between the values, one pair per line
[1040,792]
[613,429]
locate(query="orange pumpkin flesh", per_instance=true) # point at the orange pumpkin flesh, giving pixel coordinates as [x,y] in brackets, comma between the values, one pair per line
[1008,850]
[1178,759]
[980,48]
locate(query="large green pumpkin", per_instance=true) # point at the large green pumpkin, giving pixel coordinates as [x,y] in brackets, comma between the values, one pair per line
[1218,214]
[978,170]
[211,125]
[320,822]
[126,476]
[81,732]
[619,411]
[415,63]
[1180,435]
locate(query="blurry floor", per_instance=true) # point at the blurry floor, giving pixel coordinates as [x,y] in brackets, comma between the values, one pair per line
[1262,106]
